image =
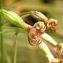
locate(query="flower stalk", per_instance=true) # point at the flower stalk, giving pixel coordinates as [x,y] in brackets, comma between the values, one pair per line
[18,21]
[46,50]
[2,45]
[36,32]
[49,39]
[43,47]
[15,48]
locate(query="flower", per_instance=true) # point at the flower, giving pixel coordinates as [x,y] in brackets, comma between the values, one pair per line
[40,26]
[52,24]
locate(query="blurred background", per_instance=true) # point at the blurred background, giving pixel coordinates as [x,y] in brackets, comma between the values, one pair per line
[25,52]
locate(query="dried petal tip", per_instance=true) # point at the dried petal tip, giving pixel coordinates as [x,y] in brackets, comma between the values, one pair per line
[40,26]
[59,47]
[52,24]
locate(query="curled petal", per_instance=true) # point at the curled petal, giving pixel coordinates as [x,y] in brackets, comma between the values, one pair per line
[59,47]
[52,24]
[40,26]
[33,37]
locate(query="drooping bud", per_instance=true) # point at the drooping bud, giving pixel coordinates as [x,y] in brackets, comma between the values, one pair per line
[39,16]
[14,19]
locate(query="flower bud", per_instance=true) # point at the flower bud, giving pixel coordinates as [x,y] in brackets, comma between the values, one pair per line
[12,17]
[39,16]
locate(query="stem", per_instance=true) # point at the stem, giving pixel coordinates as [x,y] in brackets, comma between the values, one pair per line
[26,14]
[25,26]
[15,48]
[1,38]
[49,39]
[1,42]
[4,58]
[46,50]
